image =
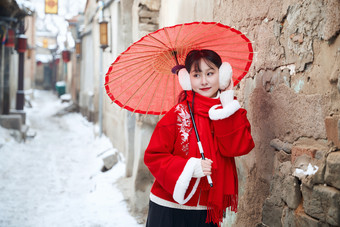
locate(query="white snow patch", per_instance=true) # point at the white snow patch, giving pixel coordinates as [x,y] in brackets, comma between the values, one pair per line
[291,68]
[311,170]
[55,179]
[44,58]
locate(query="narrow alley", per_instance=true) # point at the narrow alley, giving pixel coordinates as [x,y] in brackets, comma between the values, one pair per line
[55,177]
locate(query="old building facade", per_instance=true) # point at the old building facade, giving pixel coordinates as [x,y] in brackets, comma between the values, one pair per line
[291,93]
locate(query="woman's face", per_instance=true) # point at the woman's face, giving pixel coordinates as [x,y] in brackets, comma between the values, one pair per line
[205,81]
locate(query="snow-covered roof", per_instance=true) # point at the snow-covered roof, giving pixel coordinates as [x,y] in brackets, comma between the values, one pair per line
[44,58]
[26,6]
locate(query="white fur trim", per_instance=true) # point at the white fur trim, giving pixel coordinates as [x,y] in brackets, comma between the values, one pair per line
[166,203]
[183,181]
[184,79]
[226,97]
[225,73]
[227,111]
[198,172]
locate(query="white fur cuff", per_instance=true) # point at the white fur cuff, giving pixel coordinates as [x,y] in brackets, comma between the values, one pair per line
[227,111]
[198,172]
[226,97]
[183,181]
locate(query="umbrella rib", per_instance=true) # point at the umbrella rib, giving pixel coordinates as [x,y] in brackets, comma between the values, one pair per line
[172,47]
[141,99]
[167,59]
[166,54]
[183,40]
[152,56]
[168,37]
[109,82]
[186,42]
[141,52]
[227,44]
[242,70]
[136,63]
[134,75]
[181,50]
[149,35]
[178,34]
[192,31]
[153,95]
[131,85]
[194,35]
[147,45]
[210,34]
[236,79]
[138,89]
[174,83]
[236,51]
[241,59]
[215,38]
[136,58]
[166,86]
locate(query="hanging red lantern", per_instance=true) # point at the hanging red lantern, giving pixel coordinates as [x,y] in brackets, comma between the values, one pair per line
[39,63]
[66,54]
[21,43]
[56,61]
[10,39]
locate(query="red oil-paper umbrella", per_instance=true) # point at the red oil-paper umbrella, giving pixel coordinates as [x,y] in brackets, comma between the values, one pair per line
[141,79]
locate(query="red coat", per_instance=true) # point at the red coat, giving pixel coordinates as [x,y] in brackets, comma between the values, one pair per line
[167,155]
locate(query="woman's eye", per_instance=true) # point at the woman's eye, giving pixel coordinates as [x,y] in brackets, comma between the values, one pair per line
[196,75]
[210,73]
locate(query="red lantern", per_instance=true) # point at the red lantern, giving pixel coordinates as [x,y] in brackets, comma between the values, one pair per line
[103,34]
[56,61]
[22,43]
[66,55]
[39,63]
[10,38]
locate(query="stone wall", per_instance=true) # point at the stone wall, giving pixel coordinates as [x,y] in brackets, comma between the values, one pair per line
[292,97]
[304,190]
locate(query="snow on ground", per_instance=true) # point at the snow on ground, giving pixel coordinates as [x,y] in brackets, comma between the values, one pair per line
[55,179]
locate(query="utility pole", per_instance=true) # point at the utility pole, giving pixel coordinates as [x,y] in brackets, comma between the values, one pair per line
[22,45]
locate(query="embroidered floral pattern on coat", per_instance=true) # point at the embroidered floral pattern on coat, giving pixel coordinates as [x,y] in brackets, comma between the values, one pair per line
[184,124]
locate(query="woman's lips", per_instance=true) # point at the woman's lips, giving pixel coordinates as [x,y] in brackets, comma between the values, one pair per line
[205,89]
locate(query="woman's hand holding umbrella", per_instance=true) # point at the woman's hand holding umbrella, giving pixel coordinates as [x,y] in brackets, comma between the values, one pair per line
[206,166]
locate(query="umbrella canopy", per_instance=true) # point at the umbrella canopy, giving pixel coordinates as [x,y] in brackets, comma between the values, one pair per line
[140,79]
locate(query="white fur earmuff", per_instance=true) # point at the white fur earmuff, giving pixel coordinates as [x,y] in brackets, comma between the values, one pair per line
[184,79]
[225,74]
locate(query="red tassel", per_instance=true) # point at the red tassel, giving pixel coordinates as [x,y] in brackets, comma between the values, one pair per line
[215,214]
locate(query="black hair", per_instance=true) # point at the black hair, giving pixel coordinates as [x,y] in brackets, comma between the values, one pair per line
[193,58]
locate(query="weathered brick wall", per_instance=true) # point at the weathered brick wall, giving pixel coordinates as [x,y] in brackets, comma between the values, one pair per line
[304,198]
[292,95]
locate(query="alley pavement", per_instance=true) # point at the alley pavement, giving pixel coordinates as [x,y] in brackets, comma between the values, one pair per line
[55,177]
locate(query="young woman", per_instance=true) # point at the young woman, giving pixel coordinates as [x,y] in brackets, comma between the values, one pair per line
[181,194]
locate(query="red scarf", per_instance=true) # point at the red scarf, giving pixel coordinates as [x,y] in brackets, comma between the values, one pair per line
[223,194]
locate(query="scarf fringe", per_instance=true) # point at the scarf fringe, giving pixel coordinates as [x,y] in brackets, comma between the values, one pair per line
[215,214]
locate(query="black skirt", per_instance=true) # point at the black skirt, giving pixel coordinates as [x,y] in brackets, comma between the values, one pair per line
[160,216]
